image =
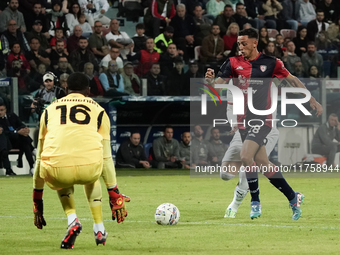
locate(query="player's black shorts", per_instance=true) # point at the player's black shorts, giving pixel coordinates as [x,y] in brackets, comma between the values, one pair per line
[257,134]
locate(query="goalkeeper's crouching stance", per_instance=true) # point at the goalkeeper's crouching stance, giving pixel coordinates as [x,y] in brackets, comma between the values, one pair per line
[74,148]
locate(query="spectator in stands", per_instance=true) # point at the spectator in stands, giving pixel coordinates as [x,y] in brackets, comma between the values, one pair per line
[279,44]
[330,9]
[312,58]
[17,54]
[58,35]
[193,71]
[155,81]
[96,88]
[231,36]
[176,82]
[131,153]
[313,72]
[97,42]
[63,67]
[63,80]
[163,40]
[37,33]
[145,57]
[324,45]
[113,55]
[72,17]
[289,57]
[168,58]
[272,9]
[72,41]
[85,26]
[111,80]
[139,39]
[95,10]
[215,7]
[263,39]
[289,13]
[16,70]
[82,55]
[202,24]
[3,5]
[224,19]
[59,51]
[212,47]
[334,31]
[11,13]
[56,18]
[300,41]
[184,30]
[159,14]
[255,12]
[184,150]
[322,142]
[119,39]
[240,16]
[17,134]
[216,147]
[199,147]
[132,83]
[36,78]
[298,70]
[306,12]
[314,27]
[11,35]
[32,15]
[36,56]
[166,150]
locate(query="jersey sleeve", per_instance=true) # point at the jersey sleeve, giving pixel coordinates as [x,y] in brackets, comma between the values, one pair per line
[280,71]
[225,70]
[104,125]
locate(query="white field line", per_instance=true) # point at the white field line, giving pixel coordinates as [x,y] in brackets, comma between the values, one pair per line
[191,223]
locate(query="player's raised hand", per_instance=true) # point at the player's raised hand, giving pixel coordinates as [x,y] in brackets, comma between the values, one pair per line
[316,106]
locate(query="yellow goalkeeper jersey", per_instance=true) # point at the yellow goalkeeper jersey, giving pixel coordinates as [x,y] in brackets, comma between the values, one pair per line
[72,129]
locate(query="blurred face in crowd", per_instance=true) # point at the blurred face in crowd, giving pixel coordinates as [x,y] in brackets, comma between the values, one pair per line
[83,44]
[303,33]
[198,12]
[135,139]
[150,44]
[63,63]
[332,121]
[42,69]
[228,12]
[215,134]
[77,31]
[56,7]
[168,133]
[186,138]
[13,5]
[114,25]
[35,44]
[179,66]
[37,27]
[48,84]
[168,34]
[263,32]
[59,33]
[82,19]
[279,39]
[320,16]
[314,71]
[88,70]
[233,29]
[193,68]
[37,9]
[60,47]
[240,10]
[2,111]
[75,8]
[63,83]
[298,67]
[128,69]
[271,47]
[12,26]
[322,37]
[16,65]
[113,67]
[16,48]
[181,12]
[140,31]
[215,30]
[291,46]
[172,49]
[98,27]
[198,132]
[155,69]
[114,53]
[311,49]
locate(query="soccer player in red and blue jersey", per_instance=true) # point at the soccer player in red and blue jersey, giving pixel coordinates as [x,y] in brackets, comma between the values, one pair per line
[251,70]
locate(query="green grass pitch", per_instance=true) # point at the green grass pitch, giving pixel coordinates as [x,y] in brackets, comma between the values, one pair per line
[201,229]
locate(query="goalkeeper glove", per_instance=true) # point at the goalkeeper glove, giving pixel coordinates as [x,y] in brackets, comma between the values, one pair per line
[117,204]
[38,209]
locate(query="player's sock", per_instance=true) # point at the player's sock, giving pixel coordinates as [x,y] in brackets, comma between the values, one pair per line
[242,179]
[93,193]
[98,227]
[71,218]
[278,181]
[239,195]
[253,182]
[67,201]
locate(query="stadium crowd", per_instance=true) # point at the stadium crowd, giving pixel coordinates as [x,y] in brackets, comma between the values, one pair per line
[42,42]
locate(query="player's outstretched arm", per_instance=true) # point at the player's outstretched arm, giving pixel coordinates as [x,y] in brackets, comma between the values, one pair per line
[295,82]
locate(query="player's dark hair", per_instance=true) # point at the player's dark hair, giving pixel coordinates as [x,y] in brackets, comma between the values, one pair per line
[250,32]
[78,82]
[166,127]
[140,26]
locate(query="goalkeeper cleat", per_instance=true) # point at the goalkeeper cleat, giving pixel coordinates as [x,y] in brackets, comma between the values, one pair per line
[255,210]
[229,213]
[72,232]
[100,237]
[295,204]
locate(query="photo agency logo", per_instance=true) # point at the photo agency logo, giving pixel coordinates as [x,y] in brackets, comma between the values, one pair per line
[245,92]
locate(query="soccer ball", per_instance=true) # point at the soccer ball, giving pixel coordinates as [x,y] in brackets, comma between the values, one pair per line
[167,214]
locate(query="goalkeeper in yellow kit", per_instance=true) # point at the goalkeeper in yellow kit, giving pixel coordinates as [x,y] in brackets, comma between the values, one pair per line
[74,148]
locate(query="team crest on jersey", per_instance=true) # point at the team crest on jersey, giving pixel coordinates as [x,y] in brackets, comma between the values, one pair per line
[263,68]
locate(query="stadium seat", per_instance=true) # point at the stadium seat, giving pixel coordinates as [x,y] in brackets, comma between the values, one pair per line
[272,32]
[197,51]
[288,33]
[147,147]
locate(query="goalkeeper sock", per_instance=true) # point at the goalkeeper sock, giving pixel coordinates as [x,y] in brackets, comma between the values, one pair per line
[239,195]
[98,227]
[71,218]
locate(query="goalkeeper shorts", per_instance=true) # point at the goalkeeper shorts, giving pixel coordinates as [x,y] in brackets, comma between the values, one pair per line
[64,177]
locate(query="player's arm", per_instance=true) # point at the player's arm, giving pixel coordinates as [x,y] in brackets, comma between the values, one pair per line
[222,77]
[38,182]
[295,82]
[117,200]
